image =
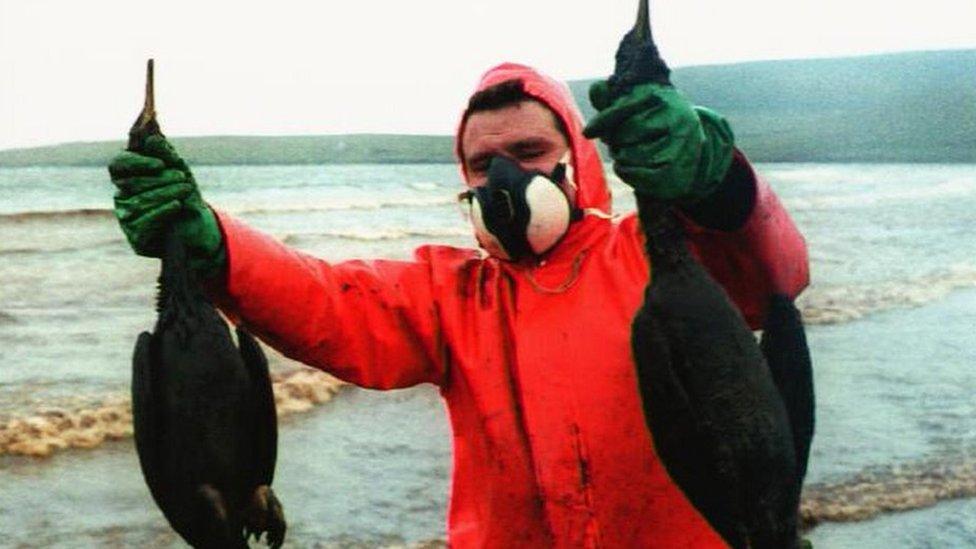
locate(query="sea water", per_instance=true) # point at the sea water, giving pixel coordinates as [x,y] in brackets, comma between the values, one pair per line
[892,327]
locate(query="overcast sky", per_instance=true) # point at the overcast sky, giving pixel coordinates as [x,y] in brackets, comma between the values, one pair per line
[73,70]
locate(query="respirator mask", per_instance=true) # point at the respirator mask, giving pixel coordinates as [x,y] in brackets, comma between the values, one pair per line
[519,213]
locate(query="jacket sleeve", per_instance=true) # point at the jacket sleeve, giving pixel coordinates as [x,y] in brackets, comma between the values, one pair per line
[766,255]
[371,323]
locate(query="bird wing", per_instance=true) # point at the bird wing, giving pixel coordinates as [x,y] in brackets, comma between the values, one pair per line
[686,446]
[264,417]
[144,418]
[784,344]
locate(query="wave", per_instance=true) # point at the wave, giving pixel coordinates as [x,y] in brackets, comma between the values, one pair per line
[52,247]
[339,204]
[889,489]
[833,305]
[423,185]
[347,204]
[962,187]
[20,217]
[47,431]
[394,233]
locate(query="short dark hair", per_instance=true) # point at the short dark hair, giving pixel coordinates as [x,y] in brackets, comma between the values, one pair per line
[505,94]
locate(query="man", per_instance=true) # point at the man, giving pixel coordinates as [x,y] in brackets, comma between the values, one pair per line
[530,346]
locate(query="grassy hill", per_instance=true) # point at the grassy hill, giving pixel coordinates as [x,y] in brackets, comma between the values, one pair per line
[905,107]
[311,149]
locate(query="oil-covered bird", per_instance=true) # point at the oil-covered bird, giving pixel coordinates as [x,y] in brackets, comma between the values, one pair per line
[784,344]
[203,410]
[716,417]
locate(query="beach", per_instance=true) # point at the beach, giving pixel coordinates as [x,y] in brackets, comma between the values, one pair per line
[891,315]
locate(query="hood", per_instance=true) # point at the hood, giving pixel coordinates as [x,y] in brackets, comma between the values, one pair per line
[588,168]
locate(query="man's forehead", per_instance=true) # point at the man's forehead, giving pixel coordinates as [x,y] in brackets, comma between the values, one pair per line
[528,119]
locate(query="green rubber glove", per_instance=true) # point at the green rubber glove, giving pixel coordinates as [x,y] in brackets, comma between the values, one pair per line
[661,145]
[155,189]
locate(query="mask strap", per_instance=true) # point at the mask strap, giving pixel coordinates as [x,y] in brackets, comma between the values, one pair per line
[597,212]
[570,178]
[569,173]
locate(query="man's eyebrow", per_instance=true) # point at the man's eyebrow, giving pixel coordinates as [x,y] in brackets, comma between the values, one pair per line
[516,147]
[481,157]
[528,143]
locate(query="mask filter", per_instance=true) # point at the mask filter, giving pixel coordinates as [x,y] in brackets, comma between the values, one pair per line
[520,213]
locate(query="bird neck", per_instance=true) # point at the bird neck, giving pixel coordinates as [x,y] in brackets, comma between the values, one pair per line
[179,291]
[664,237]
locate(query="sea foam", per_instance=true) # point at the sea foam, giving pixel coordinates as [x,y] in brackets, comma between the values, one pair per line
[49,430]
[894,488]
[838,304]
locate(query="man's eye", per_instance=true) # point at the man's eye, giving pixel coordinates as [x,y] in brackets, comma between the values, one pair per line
[530,154]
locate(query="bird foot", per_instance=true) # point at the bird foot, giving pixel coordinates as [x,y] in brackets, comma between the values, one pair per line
[264,514]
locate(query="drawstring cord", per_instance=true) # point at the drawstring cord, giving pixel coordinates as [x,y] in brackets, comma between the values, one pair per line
[566,284]
[597,212]
[577,262]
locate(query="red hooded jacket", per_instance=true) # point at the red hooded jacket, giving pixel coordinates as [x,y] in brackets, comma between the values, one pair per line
[534,362]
